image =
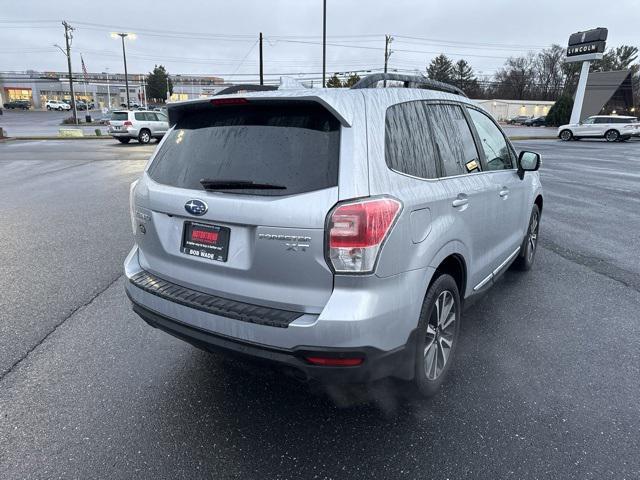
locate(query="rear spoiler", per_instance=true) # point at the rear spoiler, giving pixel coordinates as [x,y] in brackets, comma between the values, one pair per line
[177,110]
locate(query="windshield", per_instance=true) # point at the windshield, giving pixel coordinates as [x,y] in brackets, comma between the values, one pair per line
[292,144]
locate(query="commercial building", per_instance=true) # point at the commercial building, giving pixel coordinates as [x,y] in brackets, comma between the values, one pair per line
[503,110]
[103,89]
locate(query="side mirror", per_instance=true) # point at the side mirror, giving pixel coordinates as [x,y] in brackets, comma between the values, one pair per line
[528,162]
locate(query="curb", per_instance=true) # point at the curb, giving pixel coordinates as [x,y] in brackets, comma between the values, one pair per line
[51,137]
[526,137]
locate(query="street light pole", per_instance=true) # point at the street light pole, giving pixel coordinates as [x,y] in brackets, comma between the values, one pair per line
[123,35]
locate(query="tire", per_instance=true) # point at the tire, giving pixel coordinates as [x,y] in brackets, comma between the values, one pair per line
[433,358]
[566,135]
[612,135]
[529,246]
[124,140]
[48,107]
[144,136]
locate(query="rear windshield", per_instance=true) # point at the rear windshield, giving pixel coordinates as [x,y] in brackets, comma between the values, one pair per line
[291,144]
[119,116]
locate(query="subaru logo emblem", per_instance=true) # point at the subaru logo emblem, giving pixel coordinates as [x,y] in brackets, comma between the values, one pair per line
[196,207]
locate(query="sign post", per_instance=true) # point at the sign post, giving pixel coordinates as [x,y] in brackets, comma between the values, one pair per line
[584,47]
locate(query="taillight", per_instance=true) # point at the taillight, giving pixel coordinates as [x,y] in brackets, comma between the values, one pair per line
[127,123]
[357,230]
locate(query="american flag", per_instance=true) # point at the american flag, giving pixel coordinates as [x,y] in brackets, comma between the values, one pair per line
[84,68]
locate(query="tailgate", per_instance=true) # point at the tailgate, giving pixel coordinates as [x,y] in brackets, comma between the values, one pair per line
[262,245]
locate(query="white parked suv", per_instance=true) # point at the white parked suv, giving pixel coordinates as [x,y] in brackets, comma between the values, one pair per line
[612,128]
[139,125]
[57,105]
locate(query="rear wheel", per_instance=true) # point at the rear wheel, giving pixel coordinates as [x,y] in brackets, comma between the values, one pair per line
[612,135]
[438,331]
[524,261]
[566,135]
[48,107]
[144,136]
[124,140]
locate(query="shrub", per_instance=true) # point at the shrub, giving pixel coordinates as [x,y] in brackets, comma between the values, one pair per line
[560,112]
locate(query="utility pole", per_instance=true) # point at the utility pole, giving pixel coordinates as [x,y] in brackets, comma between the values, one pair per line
[387,53]
[68,37]
[324,43]
[261,69]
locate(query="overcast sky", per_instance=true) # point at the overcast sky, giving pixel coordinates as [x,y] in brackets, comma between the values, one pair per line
[219,37]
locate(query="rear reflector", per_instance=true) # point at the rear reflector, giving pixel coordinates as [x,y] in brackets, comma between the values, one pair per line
[335,362]
[357,231]
[229,101]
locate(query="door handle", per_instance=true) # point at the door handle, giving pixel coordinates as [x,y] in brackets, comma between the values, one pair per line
[460,201]
[504,192]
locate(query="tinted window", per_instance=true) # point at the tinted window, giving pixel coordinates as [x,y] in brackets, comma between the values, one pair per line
[493,143]
[589,121]
[408,141]
[603,120]
[140,116]
[162,117]
[119,116]
[453,136]
[151,117]
[293,144]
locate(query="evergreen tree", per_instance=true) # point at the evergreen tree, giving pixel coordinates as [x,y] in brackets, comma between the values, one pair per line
[462,76]
[334,82]
[351,80]
[157,84]
[440,68]
[560,112]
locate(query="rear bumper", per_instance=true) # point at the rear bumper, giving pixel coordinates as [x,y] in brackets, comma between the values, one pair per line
[372,325]
[123,133]
[377,364]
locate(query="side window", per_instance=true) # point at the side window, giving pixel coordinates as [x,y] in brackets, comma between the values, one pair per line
[601,120]
[162,117]
[589,121]
[455,142]
[408,146]
[151,117]
[140,116]
[493,142]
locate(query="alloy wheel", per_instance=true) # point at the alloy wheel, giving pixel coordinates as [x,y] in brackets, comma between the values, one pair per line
[532,236]
[440,334]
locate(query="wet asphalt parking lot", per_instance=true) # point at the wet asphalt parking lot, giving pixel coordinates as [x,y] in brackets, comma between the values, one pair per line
[546,383]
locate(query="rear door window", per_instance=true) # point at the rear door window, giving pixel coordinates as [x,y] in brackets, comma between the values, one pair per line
[292,144]
[455,142]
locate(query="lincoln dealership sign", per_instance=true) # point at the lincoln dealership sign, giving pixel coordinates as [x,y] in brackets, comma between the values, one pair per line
[587,45]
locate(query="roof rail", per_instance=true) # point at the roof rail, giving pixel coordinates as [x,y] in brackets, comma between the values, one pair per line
[410,81]
[242,88]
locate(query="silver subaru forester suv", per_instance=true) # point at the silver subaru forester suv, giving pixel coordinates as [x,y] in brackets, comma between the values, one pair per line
[336,233]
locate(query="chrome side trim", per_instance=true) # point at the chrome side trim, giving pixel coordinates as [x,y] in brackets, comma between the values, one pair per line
[496,271]
[504,264]
[483,282]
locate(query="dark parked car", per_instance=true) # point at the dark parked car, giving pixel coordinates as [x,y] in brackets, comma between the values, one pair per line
[536,122]
[519,120]
[22,104]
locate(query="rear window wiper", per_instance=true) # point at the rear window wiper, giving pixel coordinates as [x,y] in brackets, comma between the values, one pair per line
[210,184]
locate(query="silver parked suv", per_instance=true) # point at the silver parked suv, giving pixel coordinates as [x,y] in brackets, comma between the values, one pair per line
[336,233]
[139,125]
